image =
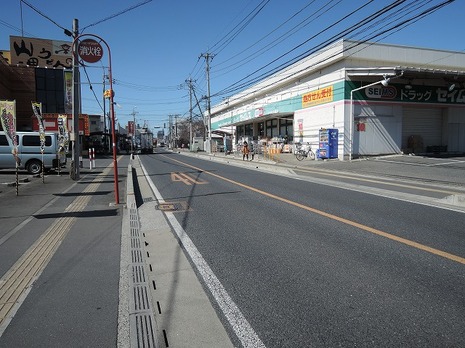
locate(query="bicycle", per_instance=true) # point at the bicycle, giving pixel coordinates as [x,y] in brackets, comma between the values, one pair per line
[301,153]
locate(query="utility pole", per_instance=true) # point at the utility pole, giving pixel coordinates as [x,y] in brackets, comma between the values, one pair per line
[104,115]
[170,125]
[207,57]
[191,87]
[76,107]
[176,130]
[133,144]
[173,139]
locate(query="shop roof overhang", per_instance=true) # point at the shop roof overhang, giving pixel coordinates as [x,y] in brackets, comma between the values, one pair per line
[276,115]
[220,132]
[407,74]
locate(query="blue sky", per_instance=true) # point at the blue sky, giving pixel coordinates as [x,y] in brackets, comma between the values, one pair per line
[157,46]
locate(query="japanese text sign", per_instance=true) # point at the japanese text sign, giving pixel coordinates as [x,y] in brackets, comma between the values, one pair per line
[320,96]
[90,51]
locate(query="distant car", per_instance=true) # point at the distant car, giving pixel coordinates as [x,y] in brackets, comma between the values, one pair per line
[161,145]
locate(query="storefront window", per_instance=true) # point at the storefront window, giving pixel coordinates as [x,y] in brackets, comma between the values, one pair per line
[248,131]
[286,129]
[272,128]
[261,129]
[239,131]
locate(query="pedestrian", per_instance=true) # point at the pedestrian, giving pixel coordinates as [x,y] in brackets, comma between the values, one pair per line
[245,151]
[252,150]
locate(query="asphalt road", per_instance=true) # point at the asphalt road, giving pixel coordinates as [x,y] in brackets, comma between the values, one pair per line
[310,263]
[314,253]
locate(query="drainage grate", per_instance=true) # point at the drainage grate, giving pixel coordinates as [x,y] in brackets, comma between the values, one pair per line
[136,256]
[135,243]
[173,206]
[138,274]
[144,328]
[141,298]
[141,319]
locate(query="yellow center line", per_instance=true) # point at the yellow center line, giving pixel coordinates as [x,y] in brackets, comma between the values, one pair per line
[372,230]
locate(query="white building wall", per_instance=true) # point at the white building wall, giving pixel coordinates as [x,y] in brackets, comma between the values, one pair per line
[377,129]
[383,123]
[456,130]
[308,122]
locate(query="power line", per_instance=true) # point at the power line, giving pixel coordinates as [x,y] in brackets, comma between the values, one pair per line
[92,89]
[260,51]
[10,26]
[405,22]
[231,35]
[242,83]
[147,88]
[246,21]
[43,15]
[254,45]
[117,14]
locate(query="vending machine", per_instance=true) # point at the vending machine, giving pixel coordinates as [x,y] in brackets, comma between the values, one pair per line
[328,143]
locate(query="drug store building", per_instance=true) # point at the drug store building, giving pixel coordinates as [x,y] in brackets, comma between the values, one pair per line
[381,99]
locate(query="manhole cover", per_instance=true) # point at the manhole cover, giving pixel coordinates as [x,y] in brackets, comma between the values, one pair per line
[173,206]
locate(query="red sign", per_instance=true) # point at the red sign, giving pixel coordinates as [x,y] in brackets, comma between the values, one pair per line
[51,123]
[90,51]
[131,128]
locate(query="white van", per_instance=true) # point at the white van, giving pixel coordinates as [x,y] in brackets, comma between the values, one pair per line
[29,152]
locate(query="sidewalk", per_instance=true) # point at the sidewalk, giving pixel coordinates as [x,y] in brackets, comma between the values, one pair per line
[60,247]
[440,171]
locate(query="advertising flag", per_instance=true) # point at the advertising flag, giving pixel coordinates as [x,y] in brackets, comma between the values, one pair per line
[8,119]
[37,108]
[63,135]
[68,76]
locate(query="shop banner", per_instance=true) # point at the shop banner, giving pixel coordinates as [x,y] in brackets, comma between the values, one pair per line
[36,52]
[320,96]
[68,80]
[8,119]
[63,134]
[37,108]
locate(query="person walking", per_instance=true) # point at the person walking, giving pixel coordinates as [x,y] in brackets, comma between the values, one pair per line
[245,151]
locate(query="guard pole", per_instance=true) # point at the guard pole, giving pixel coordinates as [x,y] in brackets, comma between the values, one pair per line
[90,158]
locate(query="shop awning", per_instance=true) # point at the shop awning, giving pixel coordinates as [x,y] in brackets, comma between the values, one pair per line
[408,74]
[266,117]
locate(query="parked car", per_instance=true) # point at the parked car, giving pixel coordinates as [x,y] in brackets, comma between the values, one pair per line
[29,152]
